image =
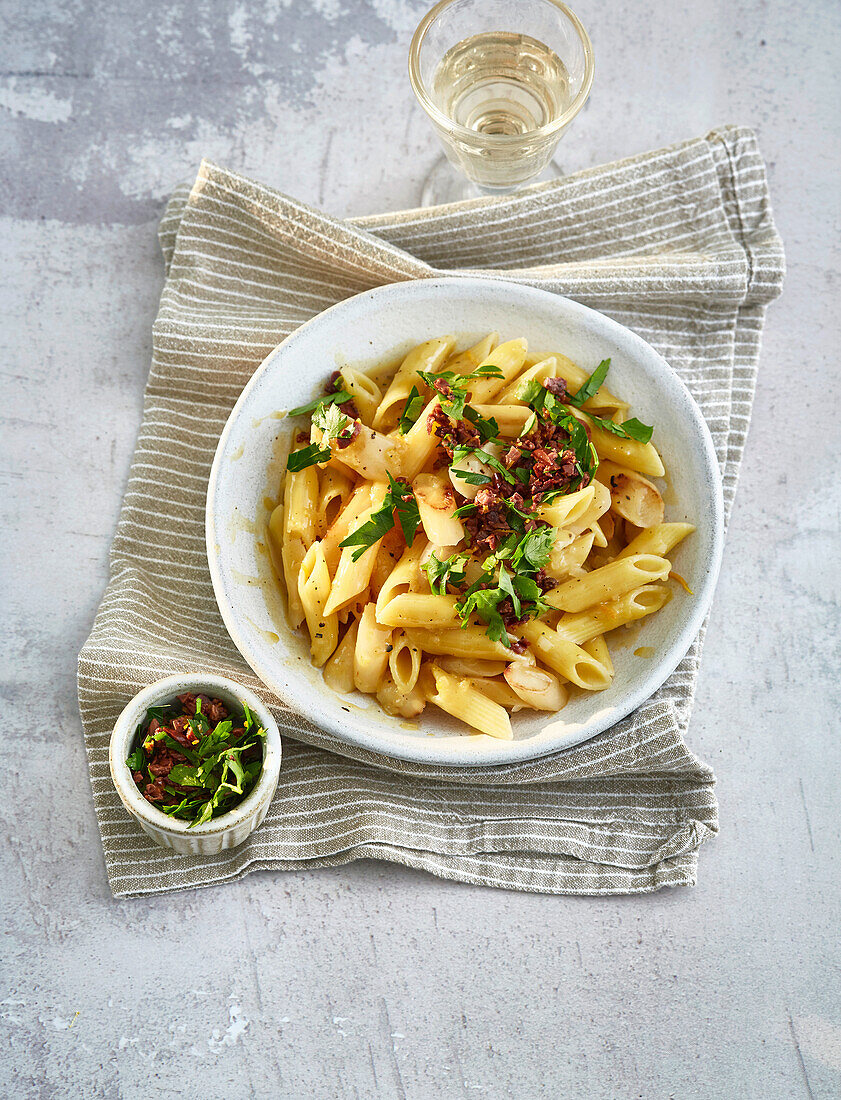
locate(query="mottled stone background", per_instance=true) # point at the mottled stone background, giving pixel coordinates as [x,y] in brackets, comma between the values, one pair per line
[372,981]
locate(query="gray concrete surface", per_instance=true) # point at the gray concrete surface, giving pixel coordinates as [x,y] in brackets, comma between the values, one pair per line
[372,981]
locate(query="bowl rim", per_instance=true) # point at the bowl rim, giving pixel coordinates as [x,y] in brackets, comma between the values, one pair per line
[422,751]
[124,729]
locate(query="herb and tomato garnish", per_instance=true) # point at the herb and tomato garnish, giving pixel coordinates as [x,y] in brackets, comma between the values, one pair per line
[193,759]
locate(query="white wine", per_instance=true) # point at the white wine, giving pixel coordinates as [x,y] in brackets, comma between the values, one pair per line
[499,82]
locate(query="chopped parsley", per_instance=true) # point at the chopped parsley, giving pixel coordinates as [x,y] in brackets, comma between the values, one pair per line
[536,396]
[591,387]
[413,408]
[628,429]
[526,552]
[460,453]
[441,572]
[453,402]
[382,520]
[307,456]
[338,398]
[331,421]
[199,760]
[486,426]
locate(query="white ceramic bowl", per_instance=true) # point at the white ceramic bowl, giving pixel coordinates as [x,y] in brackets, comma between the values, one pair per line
[382,324]
[226,831]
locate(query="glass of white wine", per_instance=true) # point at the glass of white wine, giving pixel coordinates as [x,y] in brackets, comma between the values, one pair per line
[501,81]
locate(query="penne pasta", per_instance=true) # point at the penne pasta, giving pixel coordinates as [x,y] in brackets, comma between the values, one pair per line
[415,610]
[338,671]
[428,357]
[465,642]
[609,582]
[597,647]
[404,662]
[491,544]
[566,658]
[508,358]
[565,511]
[640,457]
[301,500]
[660,539]
[464,700]
[370,657]
[584,625]
[313,589]
[353,573]
[404,576]
[364,392]
[632,496]
[436,504]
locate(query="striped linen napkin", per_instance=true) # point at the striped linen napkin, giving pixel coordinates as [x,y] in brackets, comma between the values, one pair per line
[680,245]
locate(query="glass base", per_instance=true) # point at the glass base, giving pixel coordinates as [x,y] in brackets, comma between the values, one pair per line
[445,184]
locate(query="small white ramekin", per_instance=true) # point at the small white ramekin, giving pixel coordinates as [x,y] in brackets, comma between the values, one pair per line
[226,831]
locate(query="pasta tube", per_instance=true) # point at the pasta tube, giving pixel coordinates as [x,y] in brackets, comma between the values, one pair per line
[609,582]
[436,504]
[427,357]
[564,511]
[364,392]
[416,610]
[508,358]
[566,658]
[314,588]
[419,442]
[338,672]
[632,496]
[641,457]
[660,539]
[464,700]
[470,641]
[371,653]
[404,662]
[584,625]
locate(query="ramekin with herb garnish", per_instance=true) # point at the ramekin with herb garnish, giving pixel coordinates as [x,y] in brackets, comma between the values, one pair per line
[195,760]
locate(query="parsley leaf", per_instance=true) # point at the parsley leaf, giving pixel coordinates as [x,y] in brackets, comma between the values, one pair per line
[506,586]
[330,421]
[591,386]
[470,477]
[533,394]
[535,549]
[642,433]
[382,520]
[460,453]
[484,602]
[372,530]
[325,399]
[441,572]
[413,408]
[408,513]
[307,456]
[630,429]
[137,760]
[453,405]
[487,427]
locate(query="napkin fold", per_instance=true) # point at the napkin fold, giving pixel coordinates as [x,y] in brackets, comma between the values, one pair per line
[678,244]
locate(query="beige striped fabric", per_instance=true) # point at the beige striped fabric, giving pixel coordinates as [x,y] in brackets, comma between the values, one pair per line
[680,245]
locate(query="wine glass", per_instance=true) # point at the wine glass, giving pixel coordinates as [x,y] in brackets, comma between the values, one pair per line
[501,81]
